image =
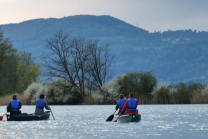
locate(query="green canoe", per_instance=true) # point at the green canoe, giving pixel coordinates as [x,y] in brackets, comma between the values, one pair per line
[28,117]
[129,118]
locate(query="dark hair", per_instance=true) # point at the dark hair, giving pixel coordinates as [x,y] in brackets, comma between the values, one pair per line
[121,96]
[131,95]
[42,96]
[14,96]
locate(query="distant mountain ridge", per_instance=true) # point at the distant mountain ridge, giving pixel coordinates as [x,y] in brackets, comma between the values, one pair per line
[173,56]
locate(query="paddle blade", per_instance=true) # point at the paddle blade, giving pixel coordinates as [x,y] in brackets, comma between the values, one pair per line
[1,117]
[115,120]
[110,118]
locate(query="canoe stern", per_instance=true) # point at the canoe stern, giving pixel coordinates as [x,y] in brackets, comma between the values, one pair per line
[130,118]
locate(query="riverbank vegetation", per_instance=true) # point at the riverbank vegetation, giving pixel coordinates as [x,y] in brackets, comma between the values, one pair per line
[192,93]
[80,73]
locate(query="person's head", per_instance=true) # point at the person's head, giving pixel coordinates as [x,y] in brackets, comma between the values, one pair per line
[14,96]
[121,96]
[42,96]
[131,95]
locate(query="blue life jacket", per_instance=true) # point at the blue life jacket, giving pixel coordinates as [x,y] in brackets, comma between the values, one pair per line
[40,103]
[121,102]
[14,105]
[132,104]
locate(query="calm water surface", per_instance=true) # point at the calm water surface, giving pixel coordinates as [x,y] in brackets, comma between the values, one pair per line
[89,122]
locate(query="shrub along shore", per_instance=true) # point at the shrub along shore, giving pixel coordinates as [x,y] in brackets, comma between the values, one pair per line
[161,96]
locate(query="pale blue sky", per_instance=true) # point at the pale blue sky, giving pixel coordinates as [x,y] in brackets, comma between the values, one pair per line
[151,15]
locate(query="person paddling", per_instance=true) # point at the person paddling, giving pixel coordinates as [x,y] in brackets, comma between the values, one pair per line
[120,103]
[130,107]
[14,106]
[41,104]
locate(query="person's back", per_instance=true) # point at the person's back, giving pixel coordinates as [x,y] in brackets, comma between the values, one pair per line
[130,107]
[41,104]
[120,102]
[14,106]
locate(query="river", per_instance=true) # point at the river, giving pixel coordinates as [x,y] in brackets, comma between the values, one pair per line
[89,122]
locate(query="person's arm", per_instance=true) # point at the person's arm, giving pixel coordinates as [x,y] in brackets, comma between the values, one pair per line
[46,106]
[137,102]
[8,107]
[20,105]
[124,108]
[116,107]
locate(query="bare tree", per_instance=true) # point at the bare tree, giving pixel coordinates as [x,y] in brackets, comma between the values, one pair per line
[99,63]
[77,61]
[58,61]
[79,56]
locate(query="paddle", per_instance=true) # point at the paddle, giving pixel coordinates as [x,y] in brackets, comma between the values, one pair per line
[1,117]
[51,112]
[110,118]
[116,119]
[52,115]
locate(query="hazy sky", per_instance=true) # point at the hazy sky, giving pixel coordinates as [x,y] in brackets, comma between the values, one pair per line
[151,15]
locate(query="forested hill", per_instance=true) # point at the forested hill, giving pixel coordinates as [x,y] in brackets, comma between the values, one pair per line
[172,56]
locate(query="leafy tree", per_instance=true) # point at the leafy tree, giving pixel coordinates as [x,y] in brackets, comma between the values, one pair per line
[1,92]
[141,84]
[29,76]
[182,94]
[21,71]
[7,56]
[195,87]
[15,67]
[146,85]
[162,95]
[129,83]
